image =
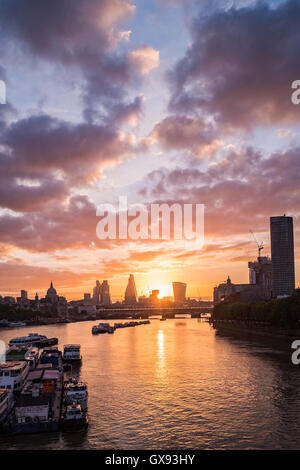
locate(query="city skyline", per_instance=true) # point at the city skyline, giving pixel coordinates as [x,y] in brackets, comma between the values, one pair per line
[269,277]
[166,289]
[131,121]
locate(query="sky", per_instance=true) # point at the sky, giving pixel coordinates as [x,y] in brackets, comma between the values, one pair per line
[176,101]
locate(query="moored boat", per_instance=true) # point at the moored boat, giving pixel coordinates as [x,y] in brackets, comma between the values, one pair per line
[6,404]
[102,328]
[27,353]
[38,406]
[72,353]
[13,375]
[73,418]
[76,392]
[33,339]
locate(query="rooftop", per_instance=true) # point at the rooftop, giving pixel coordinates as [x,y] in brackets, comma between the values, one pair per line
[12,365]
[27,400]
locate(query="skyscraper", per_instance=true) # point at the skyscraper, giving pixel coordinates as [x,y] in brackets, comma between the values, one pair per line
[96,293]
[105,293]
[282,250]
[131,293]
[101,293]
[179,289]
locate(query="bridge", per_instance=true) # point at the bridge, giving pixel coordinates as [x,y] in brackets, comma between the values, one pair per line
[146,312]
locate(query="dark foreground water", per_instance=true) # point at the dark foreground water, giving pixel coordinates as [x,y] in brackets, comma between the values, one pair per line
[175,385]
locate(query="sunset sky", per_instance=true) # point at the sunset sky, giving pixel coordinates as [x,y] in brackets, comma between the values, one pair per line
[157,100]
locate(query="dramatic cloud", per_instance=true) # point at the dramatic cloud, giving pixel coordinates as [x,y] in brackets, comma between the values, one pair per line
[70,31]
[29,198]
[240,66]
[145,58]
[42,144]
[15,275]
[72,225]
[186,133]
[56,155]
[239,192]
[82,35]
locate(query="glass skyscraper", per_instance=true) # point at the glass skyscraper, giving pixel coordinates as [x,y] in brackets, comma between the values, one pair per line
[282,249]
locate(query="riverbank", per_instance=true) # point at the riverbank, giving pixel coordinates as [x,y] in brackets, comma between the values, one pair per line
[258,329]
[279,318]
[59,321]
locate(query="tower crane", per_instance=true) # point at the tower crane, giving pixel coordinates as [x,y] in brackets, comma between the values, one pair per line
[260,246]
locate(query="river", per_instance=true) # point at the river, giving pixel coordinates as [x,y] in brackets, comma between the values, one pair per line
[176,384]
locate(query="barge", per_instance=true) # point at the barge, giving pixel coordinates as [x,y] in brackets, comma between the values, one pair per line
[38,407]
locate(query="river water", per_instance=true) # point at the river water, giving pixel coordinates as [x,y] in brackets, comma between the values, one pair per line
[176,384]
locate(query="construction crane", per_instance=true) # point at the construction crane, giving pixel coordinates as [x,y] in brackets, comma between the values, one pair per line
[260,246]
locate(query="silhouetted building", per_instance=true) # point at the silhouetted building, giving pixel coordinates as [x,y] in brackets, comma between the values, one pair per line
[260,287]
[154,296]
[223,291]
[179,290]
[51,296]
[131,293]
[105,293]
[87,300]
[96,293]
[101,293]
[282,250]
[261,274]
[23,294]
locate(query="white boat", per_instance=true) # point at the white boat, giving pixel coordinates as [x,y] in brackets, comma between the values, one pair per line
[27,353]
[32,338]
[72,353]
[73,418]
[16,324]
[76,392]
[6,404]
[13,375]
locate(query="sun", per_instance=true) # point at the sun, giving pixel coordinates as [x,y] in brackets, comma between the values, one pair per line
[165,291]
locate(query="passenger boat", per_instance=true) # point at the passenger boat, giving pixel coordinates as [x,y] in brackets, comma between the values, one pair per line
[76,392]
[72,353]
[73,418]
[23,353]
[13,375]
[6,404]
[33,339]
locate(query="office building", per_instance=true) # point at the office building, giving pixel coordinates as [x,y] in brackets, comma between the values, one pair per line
[282,251]
[179,290]
[131,293]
